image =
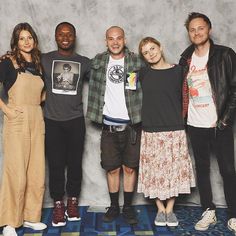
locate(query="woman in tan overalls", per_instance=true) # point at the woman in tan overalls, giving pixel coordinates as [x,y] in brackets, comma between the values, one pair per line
[22,187]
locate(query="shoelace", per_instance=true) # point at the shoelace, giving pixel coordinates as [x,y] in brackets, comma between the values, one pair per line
[207,214]
[59,212]
[72,207]
[59,205]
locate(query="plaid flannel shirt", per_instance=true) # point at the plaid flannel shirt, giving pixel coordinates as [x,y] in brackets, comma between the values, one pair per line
[97,86]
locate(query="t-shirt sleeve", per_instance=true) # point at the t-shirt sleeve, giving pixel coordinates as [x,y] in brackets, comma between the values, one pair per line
[88,68]
[4,69]
[8,73]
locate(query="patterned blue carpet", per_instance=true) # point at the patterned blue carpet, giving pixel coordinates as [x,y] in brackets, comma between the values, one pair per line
[92,225]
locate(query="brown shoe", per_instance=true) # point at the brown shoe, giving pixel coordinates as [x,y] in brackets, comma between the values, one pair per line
[72,209]
[58,215]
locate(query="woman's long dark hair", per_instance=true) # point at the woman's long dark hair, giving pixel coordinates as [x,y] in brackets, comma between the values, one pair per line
[35,53]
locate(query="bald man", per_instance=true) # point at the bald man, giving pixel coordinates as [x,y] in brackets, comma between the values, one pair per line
[114,101]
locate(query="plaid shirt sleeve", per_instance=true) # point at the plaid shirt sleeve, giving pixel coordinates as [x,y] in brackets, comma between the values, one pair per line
[134,97]
[97,84]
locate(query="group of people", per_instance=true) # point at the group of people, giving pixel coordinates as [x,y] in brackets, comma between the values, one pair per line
[144,104]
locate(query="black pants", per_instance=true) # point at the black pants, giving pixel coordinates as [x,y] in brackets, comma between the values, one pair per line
[220,142]
[64,149]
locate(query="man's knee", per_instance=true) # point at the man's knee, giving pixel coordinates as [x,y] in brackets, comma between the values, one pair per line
[114,172]
[128,170]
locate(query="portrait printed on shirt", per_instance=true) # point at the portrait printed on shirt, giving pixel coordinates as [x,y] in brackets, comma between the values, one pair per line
[65,77]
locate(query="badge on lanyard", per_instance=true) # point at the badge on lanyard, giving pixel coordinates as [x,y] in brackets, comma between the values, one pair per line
[131,81]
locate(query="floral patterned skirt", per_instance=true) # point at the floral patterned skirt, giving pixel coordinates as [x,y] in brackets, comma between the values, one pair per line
[165,168]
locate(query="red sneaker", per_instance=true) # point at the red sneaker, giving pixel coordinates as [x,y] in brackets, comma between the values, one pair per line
[58,215]
[72,209]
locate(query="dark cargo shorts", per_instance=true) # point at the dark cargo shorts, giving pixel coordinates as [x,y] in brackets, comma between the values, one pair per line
[118,148]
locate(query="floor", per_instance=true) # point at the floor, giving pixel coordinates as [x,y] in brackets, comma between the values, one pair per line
[92,225]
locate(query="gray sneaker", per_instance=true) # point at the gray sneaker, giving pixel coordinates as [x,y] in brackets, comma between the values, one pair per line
[171,219]
[160,219]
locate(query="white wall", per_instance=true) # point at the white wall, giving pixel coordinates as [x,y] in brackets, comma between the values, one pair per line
[163,19]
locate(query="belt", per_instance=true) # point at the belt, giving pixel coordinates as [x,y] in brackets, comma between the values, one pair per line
[115,128]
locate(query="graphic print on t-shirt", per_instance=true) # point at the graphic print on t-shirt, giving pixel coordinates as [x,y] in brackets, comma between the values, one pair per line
[199,87]
[202,109]
[65,77]
[116,74]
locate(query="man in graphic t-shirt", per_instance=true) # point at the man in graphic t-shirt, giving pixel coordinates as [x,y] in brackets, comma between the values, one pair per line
[210,104]
[64,72]
[114,101]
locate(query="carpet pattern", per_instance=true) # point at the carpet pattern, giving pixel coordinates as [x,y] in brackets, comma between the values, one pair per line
[92,225]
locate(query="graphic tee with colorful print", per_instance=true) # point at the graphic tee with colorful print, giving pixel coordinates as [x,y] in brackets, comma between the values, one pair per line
[202,109]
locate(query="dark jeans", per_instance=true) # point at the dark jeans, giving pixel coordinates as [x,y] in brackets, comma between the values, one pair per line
[64,149]
[220,142]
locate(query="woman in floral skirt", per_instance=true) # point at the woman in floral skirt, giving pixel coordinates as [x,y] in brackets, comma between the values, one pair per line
[165,169]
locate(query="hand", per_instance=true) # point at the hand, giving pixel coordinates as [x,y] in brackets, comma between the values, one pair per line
[221,125]
[43,96]
[11,113]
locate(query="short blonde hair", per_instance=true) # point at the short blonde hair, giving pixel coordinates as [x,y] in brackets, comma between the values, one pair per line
[146,40]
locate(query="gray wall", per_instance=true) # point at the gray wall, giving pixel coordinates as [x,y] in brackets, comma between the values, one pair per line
[163,19]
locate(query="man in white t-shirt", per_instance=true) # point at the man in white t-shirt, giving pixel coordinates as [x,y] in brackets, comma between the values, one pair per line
[210,103]
[114,100]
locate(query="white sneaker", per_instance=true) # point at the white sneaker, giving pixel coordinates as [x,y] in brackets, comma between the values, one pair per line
[208,218]
[35,226]
[9,231]
[232,225]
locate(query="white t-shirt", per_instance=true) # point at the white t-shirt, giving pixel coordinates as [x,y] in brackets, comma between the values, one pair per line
[115,105]
[202,109]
